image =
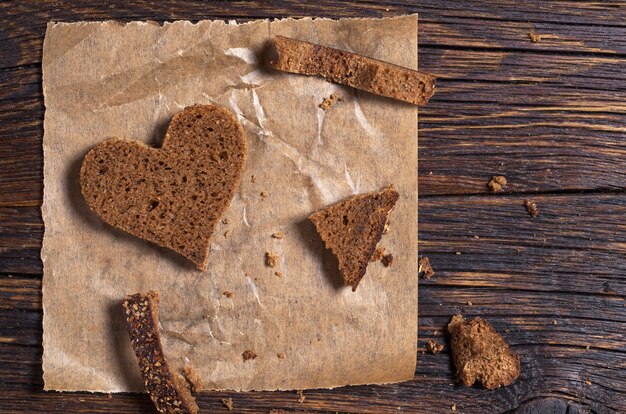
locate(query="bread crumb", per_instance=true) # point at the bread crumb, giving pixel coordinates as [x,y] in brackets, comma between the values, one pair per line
[329,102]
[587,381]
[226,233]
[424,268]
[278,235]
[228,403]
[281,355]
[271,259]
[378,254]
[480,354]
[554,322]
[587,347]
[226,221]
[497,183]
[531,207]
[387,227]
[434,347]
[476,236]
[534,37]
[458,253]
[278,273]
[453,407]
[192,377]
[387,260]
[302,397]
[228,294]
[469,303]
[248,354]
[252,179]
[263,195]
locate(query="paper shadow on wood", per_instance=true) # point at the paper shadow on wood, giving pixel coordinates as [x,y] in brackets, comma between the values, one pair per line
[313,242]
[121,345]
[95,224]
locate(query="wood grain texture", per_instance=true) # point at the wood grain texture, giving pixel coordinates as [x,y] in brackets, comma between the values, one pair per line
[550,116]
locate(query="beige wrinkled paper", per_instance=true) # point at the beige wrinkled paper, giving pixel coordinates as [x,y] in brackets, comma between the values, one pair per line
[108,79]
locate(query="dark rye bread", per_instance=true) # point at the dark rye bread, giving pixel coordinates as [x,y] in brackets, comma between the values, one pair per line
[352,228]
[480,353]
[167,392]
[172,196]
[360,72]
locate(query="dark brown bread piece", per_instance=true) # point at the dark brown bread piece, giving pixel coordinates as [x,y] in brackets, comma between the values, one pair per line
[352,228]
[480,353]
[168,394]
[174,195]
[375,76]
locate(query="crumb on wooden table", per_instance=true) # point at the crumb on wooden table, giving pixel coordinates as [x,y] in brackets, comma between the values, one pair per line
[280,355]
[329,102]
[302,397]
[278,235]
[226,233]
[226,220]
[531,207]
[588,381]
[228,294]
[453,407]
[424,268]
[497,183]
[534,37]
[252,179]
[480,354]
[469,303]
[387,227]
[264,195]
[387,260]
[228,403]
[554,322]
[193,378]
[434,347]
[271,259]
[378,254]
[248,354]
[278,273]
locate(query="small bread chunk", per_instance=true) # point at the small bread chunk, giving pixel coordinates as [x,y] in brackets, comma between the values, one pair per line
[172,196]
[480,353]
[352,228]
[168,394]
[360,72]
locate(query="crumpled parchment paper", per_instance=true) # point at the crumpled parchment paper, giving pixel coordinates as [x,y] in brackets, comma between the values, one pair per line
[106,79]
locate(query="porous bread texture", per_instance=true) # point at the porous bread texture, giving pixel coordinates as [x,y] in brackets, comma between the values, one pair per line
[360,72]
[172,196]
[352,228]
[480,354]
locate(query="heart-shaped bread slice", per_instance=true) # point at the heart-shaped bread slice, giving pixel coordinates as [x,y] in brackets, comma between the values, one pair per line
[172,196]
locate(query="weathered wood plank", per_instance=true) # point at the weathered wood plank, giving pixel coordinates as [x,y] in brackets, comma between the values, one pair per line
[19,292]
[549,366]
[552,123]
[575,237]
[597,28]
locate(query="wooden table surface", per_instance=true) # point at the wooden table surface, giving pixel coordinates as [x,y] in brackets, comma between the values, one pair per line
[550,116]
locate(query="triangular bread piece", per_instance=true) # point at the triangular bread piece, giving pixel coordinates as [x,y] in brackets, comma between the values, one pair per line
[352,228]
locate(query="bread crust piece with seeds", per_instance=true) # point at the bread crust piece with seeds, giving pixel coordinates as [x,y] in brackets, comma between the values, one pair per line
[172,196]
[142,322]
[352,228]
[480,353]
[360,72]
